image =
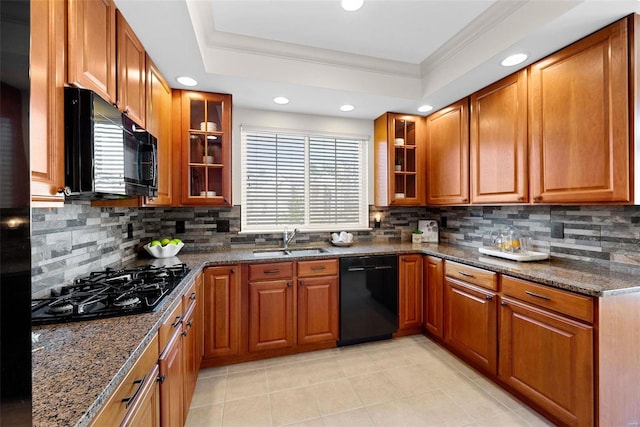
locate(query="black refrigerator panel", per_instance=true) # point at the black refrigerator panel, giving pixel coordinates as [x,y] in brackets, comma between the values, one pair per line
[15,218]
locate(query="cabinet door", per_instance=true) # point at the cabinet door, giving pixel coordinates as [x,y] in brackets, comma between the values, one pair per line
[190,357]
[205,137]
[399,160]
[271,321]
[146,412]
[579,121]
[317,309]
[159,124]
[221,311]
[549,359]
[498,142]
[433,275]
[448,155]
[131,72]
[46,109]
[471,326]
[92,46]
[172,383]
[410,292]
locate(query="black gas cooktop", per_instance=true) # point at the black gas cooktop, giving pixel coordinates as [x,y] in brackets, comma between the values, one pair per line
[108,293]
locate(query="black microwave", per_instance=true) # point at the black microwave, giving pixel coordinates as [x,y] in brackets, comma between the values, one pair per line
[107,156]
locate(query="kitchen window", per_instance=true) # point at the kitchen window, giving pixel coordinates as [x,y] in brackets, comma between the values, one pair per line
[310,181]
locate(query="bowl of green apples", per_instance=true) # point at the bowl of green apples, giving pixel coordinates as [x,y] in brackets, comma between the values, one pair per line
[164,248]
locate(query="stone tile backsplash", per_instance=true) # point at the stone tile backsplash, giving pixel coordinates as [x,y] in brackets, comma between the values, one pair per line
[77,238]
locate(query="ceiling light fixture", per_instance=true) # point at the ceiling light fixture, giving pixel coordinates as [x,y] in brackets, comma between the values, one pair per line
[351,5]
[512,60]
[281,100]
[425,108]
[347,107]
[187,81]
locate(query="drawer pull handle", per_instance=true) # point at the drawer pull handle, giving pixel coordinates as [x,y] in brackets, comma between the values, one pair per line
[276,271]
[192,297]
[318,267]
[533,294]
[462,273]
[131,398]
[177,322]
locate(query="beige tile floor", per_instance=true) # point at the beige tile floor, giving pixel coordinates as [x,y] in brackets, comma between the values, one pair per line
[409,381]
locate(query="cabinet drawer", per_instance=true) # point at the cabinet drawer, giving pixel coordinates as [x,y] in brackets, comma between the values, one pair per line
[321,267]
[570,304]
[167,328]
[190,295]
[475,276]
[114,411]
[270,271]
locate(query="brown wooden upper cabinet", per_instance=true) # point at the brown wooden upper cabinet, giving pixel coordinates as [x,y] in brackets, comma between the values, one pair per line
[159,124]
[131,94]
[498,142]
[203,161]
[448,155]
[579,121]
[399,160]
[46,109]
[92,46]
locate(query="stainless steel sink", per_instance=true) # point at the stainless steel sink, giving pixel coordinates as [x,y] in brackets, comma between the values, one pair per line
[266,253]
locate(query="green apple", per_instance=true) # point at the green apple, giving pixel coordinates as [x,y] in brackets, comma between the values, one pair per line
[165,241]
[175,242]
[154,243]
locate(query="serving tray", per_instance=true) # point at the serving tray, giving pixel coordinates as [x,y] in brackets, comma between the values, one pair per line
[515,256]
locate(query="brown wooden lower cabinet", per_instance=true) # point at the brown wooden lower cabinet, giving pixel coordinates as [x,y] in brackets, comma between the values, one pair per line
[271,321]
[549,359]
[146,412]
[409,292]
[470,323]
[221,311]
[433,279]
[172,382]
[317,302]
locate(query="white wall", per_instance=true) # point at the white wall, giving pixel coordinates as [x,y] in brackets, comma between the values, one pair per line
[275,119]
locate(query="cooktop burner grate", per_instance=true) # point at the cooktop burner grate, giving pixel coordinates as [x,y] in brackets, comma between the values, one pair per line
[108,293]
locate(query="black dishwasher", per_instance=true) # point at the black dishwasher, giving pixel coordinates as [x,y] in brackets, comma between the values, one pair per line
[368,298]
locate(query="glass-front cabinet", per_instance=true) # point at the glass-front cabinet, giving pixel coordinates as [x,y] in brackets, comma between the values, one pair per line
[206,149]
[399,152]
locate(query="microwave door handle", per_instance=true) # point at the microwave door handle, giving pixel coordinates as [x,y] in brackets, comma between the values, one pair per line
[154,163]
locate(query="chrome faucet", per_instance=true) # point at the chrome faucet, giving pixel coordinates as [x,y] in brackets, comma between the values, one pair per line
[286,238]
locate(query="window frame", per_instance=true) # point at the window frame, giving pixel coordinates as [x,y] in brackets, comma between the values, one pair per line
[363,208]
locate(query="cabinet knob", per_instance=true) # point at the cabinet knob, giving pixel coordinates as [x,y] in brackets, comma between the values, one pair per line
[161,378]
[465,200]
[503,303]
[537,198]
[288,284]
[233,271]
[521,199]
[488,297]
[185,333]
[65,190]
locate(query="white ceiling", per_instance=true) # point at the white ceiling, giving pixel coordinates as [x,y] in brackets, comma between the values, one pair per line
[391,55]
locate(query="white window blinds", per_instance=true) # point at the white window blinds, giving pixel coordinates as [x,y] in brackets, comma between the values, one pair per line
[309,182]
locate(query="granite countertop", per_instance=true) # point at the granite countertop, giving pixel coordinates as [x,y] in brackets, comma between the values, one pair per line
[80,364]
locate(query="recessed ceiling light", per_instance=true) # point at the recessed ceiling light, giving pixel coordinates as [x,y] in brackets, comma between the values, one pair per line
[281,100]
[347,107]
[351,5]
[513,60]
[187,81]
[425,108]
